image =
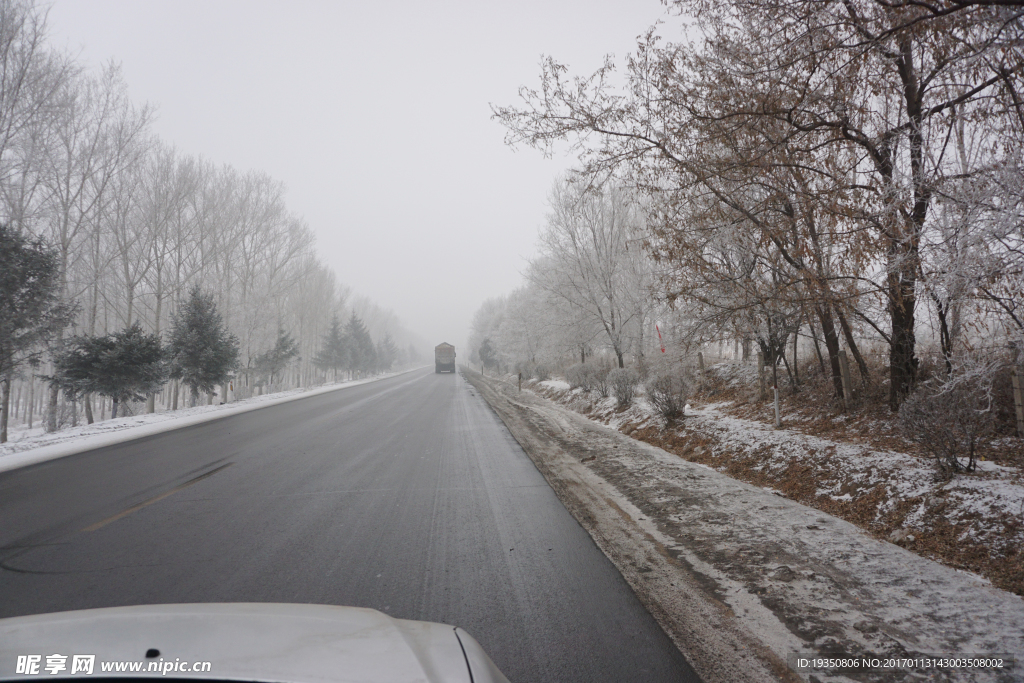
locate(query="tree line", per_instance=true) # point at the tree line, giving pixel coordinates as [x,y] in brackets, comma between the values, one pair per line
[845,172]
[135,227]
[822,164]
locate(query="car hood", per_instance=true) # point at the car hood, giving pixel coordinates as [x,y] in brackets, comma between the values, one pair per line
[249,641]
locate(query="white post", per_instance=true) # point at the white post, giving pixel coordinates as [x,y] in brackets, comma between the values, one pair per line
[1018,399]
[778,418]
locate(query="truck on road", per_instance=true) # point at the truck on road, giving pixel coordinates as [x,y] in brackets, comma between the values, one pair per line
[444,358]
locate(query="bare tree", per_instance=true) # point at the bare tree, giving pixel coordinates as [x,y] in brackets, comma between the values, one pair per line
[867,92]
[594,263]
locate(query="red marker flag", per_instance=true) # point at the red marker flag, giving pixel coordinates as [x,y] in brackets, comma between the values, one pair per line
[659,337]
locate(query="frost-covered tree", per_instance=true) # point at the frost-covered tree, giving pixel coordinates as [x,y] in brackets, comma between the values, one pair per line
[137,224]
[31,80]
[125,366]
[593,262]
[362,353]
[862,98]
[32,311]
[386,353]
[487,353]
[275,360]
[201,351]
[333,354]
[485,324]
[92,140]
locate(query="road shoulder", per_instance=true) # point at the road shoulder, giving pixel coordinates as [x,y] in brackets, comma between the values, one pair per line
[718,646]
[743,579]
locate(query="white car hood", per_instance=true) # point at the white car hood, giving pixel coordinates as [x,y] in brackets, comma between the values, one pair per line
[250,641]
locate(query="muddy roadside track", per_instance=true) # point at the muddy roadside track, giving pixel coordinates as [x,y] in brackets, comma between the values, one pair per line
[742,579]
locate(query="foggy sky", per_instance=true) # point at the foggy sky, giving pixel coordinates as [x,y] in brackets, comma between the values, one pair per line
[375,115]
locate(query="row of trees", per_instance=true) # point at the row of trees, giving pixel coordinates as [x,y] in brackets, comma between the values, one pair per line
[131,365]
[351,348]
[135,225]
[804,165]
[588,289]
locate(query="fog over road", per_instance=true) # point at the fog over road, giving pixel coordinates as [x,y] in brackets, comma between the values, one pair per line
[406,495]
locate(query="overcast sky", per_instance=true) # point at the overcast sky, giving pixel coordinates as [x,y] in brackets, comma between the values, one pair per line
[376,115]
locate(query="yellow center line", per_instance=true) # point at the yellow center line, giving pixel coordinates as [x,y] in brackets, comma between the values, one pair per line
[125,513]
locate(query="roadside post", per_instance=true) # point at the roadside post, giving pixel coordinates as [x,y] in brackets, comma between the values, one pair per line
[778,417]
[520,382]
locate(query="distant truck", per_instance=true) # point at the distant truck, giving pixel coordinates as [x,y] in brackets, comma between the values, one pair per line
[444,358]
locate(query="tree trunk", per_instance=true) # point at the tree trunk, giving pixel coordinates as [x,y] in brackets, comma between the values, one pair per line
[945,338]
[828,330]
[113,408]
[88,408]
[51,410]
[5,407]
[862,367]
[789,372]
[174,398]
[902,363]
[796,367]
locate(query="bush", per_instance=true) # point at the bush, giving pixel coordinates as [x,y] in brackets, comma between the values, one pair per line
[951,417]
[623,383]
[541,373]
[667,392]
[588,376]
[598,379]
[577,377]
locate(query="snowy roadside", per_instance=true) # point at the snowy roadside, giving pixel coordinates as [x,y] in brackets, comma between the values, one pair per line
[739,575]
[972,522]
[36,446]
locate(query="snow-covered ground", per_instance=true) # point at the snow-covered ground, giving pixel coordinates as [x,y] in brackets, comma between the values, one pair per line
[28,447]
[881,489]
[796,579]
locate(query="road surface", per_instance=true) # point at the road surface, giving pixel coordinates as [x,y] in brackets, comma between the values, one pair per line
[406,495]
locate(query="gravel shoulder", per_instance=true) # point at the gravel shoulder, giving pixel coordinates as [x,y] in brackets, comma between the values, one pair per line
[743,579]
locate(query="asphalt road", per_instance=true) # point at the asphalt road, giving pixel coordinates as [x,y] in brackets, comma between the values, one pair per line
[406,495]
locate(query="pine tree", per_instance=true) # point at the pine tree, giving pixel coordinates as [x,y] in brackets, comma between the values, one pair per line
[362,354]
[126,366]
[276,359]
[202,351]
[334,352]
[387,353]
[31,310]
